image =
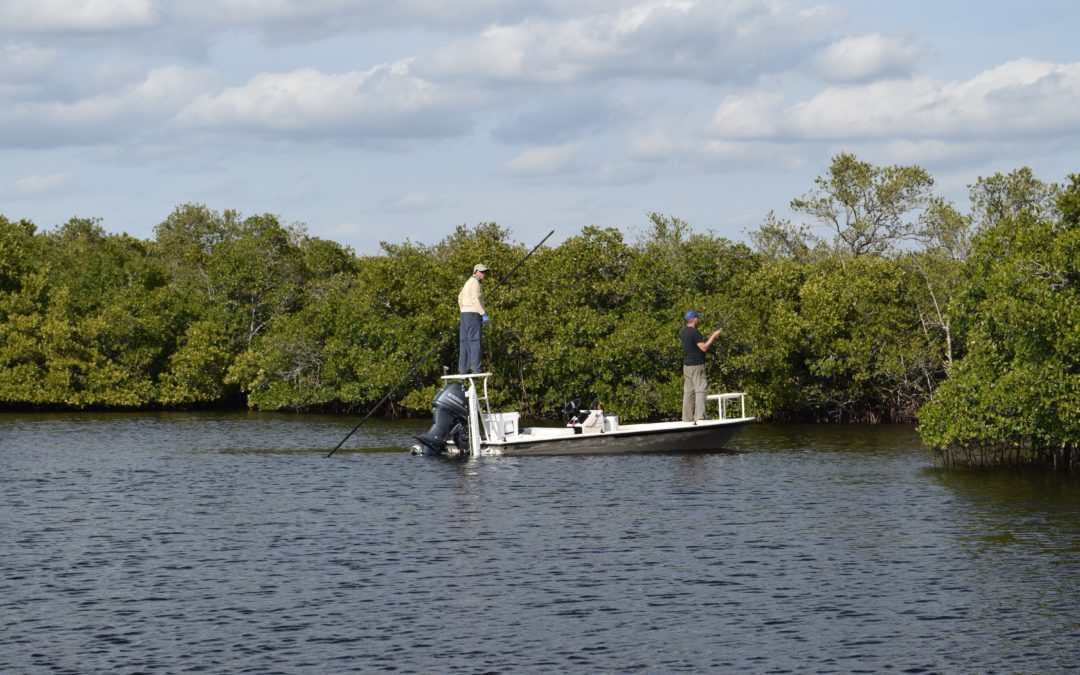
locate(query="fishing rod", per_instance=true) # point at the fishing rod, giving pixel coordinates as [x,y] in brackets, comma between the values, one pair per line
[431,351]
[723,321]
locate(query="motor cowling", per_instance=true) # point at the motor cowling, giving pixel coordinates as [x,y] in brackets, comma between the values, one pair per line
[450,409]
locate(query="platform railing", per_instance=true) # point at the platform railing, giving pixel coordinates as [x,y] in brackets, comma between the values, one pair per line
[724,399]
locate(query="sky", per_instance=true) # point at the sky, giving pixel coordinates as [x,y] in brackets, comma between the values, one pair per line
[371,121]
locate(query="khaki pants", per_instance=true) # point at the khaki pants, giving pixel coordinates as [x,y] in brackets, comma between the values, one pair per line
[695,386]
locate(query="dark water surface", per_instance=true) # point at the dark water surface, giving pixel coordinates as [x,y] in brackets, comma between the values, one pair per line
[226,543]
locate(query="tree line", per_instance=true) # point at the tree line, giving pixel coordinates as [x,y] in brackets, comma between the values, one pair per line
[885,303]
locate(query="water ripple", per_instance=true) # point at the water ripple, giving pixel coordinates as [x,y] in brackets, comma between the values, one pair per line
[226,543]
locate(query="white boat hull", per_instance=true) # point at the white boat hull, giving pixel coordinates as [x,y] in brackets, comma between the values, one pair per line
[634,438]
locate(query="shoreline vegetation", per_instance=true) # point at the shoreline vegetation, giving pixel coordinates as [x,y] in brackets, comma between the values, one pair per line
[884,303]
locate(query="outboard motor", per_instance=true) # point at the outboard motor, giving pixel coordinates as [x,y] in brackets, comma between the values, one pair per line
[450,409]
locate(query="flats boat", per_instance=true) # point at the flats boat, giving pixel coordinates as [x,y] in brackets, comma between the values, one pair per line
[464,425]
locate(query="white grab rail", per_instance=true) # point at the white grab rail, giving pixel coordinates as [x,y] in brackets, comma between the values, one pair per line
[724,399]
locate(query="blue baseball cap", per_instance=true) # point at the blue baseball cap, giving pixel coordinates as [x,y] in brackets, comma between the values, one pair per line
[691,315]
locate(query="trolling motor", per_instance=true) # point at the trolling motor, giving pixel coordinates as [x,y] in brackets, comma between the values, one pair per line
[450,409]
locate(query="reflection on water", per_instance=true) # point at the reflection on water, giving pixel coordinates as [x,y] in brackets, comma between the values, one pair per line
[228,543]
[1014,512]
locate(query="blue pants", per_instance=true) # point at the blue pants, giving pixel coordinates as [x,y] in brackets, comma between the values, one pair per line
[469,342]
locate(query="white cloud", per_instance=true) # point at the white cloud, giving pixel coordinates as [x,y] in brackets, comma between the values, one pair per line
[191,27]
[747,116]
[544,161]
[77,15]
[866,57]
[104,118]
[293,21]
[9,93]
[36,186]
[928,151]
[345,14]
[558,119]
[1022,104]
[691,39]
[1022,97]
[383,102]
[412,202]
[1019,98]
[25,61]
[253,11]
[693,150]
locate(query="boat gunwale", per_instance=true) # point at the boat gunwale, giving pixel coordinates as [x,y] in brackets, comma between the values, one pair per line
[627,431]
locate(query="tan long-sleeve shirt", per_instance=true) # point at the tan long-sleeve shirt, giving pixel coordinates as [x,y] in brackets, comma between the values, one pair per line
[471,298]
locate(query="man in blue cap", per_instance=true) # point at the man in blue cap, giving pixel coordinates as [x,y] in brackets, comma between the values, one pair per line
[695,381]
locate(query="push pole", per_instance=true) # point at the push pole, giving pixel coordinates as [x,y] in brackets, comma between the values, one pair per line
[431,351]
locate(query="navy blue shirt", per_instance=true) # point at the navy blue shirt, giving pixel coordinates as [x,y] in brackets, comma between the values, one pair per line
[692,354]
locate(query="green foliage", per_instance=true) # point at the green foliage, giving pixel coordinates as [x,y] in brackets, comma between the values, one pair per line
[1016,394]
[196,369]
[865,350]
[86,325]
[1003,197]
[220,307]
[765,345]
[944,231]
[19,253]
[868,207]
[778,238]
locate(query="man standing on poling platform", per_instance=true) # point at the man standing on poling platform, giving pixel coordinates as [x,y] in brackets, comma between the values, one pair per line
[473,317]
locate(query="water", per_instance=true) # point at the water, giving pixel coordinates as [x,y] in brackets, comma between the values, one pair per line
[227,543]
